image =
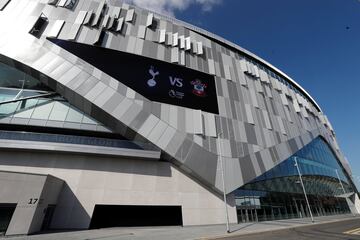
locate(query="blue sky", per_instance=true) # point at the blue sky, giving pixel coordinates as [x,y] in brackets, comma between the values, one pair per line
[317,43]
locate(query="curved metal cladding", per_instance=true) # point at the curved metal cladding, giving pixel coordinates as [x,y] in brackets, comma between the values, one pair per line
[92,51]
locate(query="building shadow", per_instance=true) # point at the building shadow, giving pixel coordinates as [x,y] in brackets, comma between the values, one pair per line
[240,227]
[69,213]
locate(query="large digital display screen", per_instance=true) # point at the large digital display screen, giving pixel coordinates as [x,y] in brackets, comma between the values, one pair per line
[156,80]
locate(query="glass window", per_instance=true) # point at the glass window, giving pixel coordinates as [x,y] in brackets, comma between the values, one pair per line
[88,120]
[16,84]
[12,78]
[7,94]
[318,166]
[59,111]
[74,115]
[26,108]
[43,109]
[8,109]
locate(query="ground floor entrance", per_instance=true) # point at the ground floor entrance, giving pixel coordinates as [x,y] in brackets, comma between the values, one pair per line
[276,206]
[134,215]
[6,212]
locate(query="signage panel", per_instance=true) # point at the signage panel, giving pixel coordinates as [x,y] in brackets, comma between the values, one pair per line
[156,80]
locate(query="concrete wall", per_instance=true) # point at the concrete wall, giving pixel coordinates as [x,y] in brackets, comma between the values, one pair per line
[356,204]
[94,180]
[32,194]
[50,194]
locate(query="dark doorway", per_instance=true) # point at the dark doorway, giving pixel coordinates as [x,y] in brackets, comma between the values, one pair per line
[48,217]
[129,216]
[6,212]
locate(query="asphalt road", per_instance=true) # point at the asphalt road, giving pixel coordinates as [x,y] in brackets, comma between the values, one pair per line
[316,232]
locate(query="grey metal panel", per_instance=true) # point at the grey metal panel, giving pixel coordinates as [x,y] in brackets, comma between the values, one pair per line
[120,23]
[69,75]
[162,36]
[174,55]
[169,39]
[249,115]
[74,31]
[267,119]
[168,134]
[61,3]
[194,47]
[97,37]
[211,66]
[148,125]
[88,17]
[98,13]
[157,131]
[80,17]
[129,15]
[227,72]
[175,39]
[52,2]
[149,20]
[210,126]
[199,47]
[111,23]
[182,58]
[116,12]
[105,22]
[182,42]
[198,122]
[95,91]
[196,157]
[54,33]
[187,43]
[142,31]
[254,100]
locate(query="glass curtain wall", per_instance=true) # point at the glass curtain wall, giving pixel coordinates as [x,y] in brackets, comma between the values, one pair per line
[278,194]
[34,105]
[24,100]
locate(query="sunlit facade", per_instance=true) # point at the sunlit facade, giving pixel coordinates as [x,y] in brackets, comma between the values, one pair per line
[112,115]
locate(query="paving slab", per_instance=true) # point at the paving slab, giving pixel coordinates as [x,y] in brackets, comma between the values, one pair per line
[180,233]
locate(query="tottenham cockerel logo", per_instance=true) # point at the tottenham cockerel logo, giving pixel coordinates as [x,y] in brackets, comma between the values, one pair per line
[151,82]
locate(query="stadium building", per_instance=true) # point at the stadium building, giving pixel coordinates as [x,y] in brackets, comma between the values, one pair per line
[112,115]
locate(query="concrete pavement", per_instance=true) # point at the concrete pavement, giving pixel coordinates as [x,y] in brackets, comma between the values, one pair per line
[181,233]
[340,230]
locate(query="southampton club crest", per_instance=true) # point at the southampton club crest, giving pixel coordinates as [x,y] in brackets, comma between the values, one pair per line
[199,88]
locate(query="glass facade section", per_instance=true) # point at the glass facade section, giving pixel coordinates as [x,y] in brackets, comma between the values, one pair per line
[12,78]
[52,111]
[73,139]
[278,194]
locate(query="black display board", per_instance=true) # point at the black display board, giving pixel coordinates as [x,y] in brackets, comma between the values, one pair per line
[156,80]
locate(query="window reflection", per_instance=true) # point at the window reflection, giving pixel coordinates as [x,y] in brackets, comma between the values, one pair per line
[13,78]
[281,196]
[17,85]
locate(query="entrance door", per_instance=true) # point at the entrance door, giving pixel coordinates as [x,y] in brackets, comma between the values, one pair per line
[277,212]
[48,216]
[6,212]
[301,208]
[241,215]
[247,215]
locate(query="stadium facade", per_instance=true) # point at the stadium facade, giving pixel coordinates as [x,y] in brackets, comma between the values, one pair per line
[111,115]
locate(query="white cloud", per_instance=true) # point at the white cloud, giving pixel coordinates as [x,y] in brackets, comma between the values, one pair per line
[170,6]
